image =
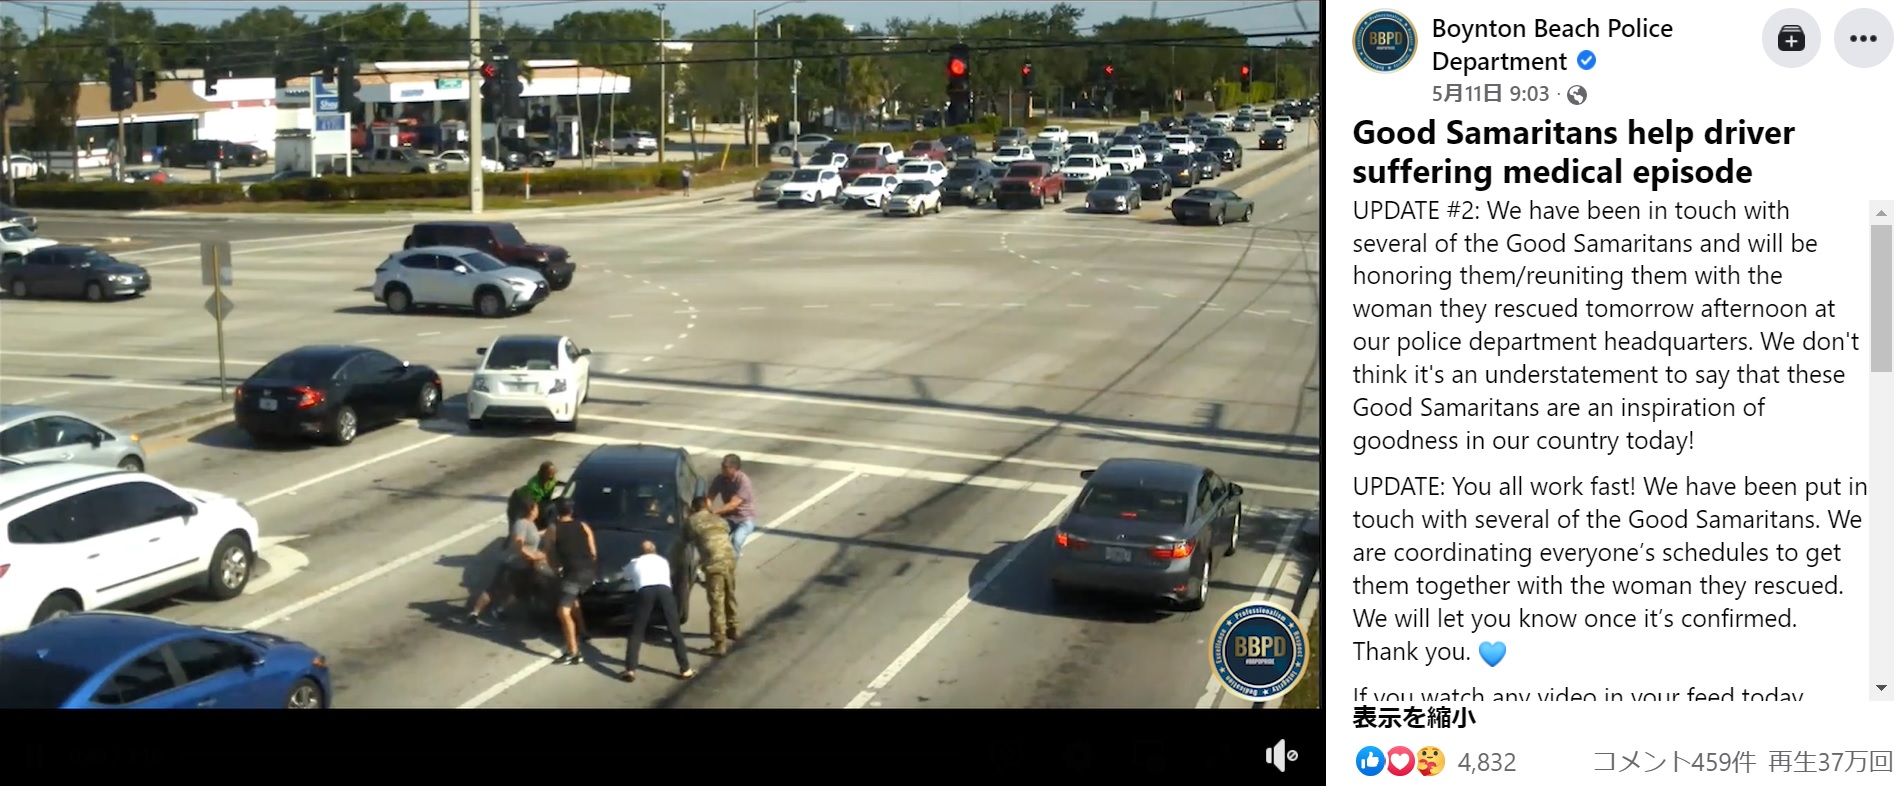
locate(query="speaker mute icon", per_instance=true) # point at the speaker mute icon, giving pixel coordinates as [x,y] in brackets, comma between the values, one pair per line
[1279,757]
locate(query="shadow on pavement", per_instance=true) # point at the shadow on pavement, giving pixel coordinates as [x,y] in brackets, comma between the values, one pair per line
[1024,588]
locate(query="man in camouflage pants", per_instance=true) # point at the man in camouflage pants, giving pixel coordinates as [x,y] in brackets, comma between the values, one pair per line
[719,564]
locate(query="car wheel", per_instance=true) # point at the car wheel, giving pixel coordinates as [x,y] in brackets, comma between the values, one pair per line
[939,209]
[132,464]
[1058,196]
[476,424]
[1219,219]
[571,425]
[230,570]
[343,426]
[488,303]
[1197,588]
[305,695]
[1233,538]
[560,284]
[428,402]
[95,292]
[19,289]
[54,607]
[1248,215]
[397,299]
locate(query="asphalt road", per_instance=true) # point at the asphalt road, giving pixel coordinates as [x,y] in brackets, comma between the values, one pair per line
[157,234]
[914,397]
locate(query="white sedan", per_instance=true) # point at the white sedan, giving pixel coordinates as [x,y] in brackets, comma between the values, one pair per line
[1285,123]
[1052,132]
[530,379]
[914,198]
[868,191]
[932,172]
[21,167]
[1010,155]
[457,161]
[804,145]
[17,241]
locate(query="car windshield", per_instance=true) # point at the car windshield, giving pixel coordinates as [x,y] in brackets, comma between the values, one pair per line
[916,169]
[36,683]
[1010,151]
[1133,503]
[865,162]
[1029,170]
[302,367]
[782,174]
[918,147]
[96,258]
[1177,161]
[1115,184]
[1202,193]
[1153,144]
[481,261]
[1225,141]
[15,234]
[523,356]
[1042,146]
[870,181]
[1177,140]
[806,176]
[1079,162]
[1145,175]
[627,507]
[913,187]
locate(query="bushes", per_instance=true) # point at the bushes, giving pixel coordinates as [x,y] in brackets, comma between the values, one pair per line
[125,196]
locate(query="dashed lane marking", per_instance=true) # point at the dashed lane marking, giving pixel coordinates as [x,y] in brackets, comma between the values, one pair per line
[429,333]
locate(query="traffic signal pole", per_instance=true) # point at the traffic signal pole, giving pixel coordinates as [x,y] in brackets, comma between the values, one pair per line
[474,107]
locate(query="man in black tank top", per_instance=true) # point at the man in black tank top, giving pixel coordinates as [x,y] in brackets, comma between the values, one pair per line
[572,544]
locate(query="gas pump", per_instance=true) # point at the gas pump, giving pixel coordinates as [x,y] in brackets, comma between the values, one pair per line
[567,136]
[454,134]
[385,136]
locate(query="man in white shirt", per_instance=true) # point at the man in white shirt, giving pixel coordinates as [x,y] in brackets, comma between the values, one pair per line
[652,575]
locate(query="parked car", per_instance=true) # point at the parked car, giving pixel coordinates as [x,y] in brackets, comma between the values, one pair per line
[17,241]
[457,161]
[959,145]
[114,660]
[81,537]
[501,240]
[203,152]
[23,167]
[530,378]
[398,161]
[330,392]
[635,143]
[70,272]
[456,277]
[805,145]
[37,434]
[10,213]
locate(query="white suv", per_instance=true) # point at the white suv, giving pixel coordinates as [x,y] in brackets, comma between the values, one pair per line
[83,538]
[529,379]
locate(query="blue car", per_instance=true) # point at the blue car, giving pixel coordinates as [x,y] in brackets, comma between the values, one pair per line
[115,660]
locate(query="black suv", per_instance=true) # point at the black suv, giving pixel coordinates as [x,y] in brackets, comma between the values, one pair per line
[960,145]
[501,240]
[204,151]
[1232,154]
[630,494]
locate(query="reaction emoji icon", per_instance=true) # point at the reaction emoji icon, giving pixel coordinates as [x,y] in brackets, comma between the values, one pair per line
[1399,760]
[1430,760]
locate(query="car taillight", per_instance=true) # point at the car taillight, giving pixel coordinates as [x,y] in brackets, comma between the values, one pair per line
[307,397]
[3,571]
[238,394]
[1061,539]
[1176,551]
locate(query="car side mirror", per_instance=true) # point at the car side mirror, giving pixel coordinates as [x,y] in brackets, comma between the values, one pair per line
[461,270]
[481,350]
[1087,473]
[1234,489]
[95,438]
[253,659]
[585,352]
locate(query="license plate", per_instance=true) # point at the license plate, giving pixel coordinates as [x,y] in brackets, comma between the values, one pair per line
[1120,555]
[267,404]
[523,387]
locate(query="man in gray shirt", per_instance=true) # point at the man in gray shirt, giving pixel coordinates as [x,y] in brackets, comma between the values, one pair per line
[734,487]
[522,562]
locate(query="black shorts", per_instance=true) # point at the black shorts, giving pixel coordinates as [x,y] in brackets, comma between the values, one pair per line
[509,580]
[572,585]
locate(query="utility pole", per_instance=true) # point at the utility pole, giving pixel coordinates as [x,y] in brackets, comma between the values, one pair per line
[751,129]
[663,87]
[46,21]
[474,107]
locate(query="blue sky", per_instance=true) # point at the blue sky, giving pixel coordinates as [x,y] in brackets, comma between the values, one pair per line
[1251,17]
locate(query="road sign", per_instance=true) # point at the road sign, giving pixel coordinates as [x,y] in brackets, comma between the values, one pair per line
[332,122]
[214,257]
[328,104]
[218,306]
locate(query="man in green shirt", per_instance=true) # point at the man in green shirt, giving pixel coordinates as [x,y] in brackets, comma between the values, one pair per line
[543,484]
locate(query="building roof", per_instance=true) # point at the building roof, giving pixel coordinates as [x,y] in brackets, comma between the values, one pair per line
[384,74]
[95,103]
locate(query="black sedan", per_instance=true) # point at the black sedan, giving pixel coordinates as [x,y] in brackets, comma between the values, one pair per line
[1117,194]
[1154,183]
[330,392]
[969,182]
[1232,154]
[1181,170]
[18,216]
[1272,139]
[960,145]
[1208,164]
[1147,528]
[1210,205]
[629,494]
[72,271]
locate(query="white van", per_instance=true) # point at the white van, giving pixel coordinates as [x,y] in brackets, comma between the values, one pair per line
[1083,138]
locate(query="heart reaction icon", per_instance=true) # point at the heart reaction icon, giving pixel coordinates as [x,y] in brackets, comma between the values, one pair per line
[1399,761]
[1491,651]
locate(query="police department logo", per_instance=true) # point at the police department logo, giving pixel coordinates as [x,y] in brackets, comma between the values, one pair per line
[1385,41]
[1257,651]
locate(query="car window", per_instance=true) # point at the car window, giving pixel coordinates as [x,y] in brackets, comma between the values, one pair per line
[110,509]
[298,367]
[50,524]
[1207,496]
[21,438]
[377,362]
[422,261]
[778,175]
[1202,193]
[505,234]
[522,356]
[480,261]
[805,176]
[623,506]
[15,234]
[201,658]
[573,352]
[139,680]
[58,431]
[33,683]
[44,258]
[1134,503]
[1115,184]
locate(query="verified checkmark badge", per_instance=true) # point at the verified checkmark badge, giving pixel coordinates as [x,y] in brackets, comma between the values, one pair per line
[1586,59]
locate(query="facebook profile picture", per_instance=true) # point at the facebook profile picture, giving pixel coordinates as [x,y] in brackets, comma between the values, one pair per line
[1369,761]
[1385,41]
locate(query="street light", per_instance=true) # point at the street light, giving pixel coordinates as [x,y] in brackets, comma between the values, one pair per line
[752,140]
[660,139]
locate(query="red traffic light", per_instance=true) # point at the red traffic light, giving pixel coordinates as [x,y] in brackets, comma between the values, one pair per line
[957,67]
[1109,70]
[1246,70]
[488,71]
[1026,70]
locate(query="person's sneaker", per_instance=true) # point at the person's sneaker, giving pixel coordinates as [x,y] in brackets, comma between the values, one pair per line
[568,660]
[475,619]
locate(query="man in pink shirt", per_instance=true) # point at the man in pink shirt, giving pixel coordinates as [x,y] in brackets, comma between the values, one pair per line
[733,489]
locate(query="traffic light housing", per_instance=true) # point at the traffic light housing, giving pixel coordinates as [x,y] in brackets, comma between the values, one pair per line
[1107,73]
[148,85]
[1246,77]
[1028,75]
[15,92]
[120,81]
[957,69]
[347,85]
[512,89]
[285,71]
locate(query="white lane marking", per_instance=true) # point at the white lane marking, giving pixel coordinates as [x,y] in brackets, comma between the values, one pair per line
[644,281]
[878,470]
[1012,305]
[1302,321]
[1282,216]
[379,571]
[1211,696]
[622,371]
[1079,305]
[1104,281]
[1167,294]
[332,242]
[1308,197]
[751,308]
[621,316]
[107,383]
[1071,272]
[1133,287]
[1146,308]
[887,447]
[647,359]
[667,348]
[372,460]
[47,397]
[682,335]
[949,305]
[910,653]
[495,327]
[558,321]
[817,306]
[529,670]
[1214,308]
[1052,267]
[284,562]
[430,333]
[707,390]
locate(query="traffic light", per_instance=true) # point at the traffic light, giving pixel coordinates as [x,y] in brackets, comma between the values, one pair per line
[1107,73]
[346,83]
[148,85]
[284,71]
[958,70]
[120,81]
[491,83]
[15,92]
[1028,75]
[210,78]
[1246,77]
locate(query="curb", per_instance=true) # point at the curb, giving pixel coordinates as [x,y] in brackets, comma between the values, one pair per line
[106,240]
[171,425]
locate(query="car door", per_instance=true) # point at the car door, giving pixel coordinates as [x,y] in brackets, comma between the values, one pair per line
[114,551]
[163,551]
[147,681]
[220,674]
[44,554]
[21,441]
[61,438]
[55,273]
[398,384]
[371,387]
[580,363]
[445,286]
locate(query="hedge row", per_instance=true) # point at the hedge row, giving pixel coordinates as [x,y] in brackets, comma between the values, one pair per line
[983,130]
[149,196]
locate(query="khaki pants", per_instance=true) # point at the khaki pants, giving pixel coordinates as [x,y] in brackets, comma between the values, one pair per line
[722,604]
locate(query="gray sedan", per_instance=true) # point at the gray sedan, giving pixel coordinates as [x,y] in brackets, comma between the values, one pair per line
[37,434]
[767,189]
[1212,206]
[1118,194]
[1147,528]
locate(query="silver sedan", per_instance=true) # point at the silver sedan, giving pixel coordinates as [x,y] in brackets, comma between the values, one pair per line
[37,434]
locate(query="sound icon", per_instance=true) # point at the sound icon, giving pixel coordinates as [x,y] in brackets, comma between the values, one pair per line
[1279,757]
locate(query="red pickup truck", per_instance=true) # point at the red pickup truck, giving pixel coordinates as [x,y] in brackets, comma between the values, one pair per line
[1029,183]
[858,166]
